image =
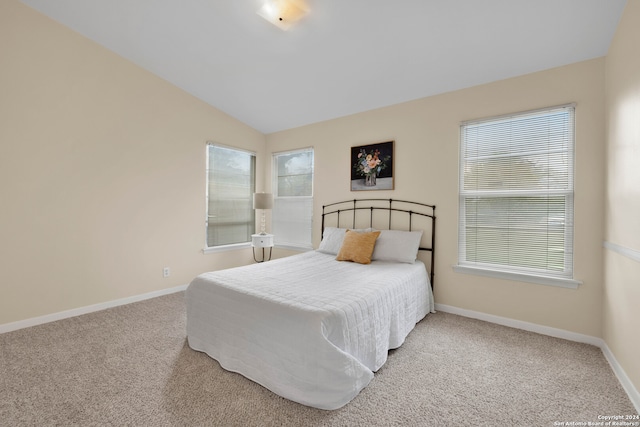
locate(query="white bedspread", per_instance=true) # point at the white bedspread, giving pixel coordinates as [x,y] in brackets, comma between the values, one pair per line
[307,327]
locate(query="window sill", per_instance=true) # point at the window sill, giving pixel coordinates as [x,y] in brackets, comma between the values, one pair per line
[295,248]
[519,277]
[226,248]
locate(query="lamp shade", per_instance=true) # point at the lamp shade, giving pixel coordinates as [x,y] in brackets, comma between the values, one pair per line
[262,200]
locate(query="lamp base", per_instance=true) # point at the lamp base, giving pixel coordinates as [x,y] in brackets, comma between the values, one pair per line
[262,224]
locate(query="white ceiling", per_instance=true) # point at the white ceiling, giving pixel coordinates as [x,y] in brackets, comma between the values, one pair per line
[346,56]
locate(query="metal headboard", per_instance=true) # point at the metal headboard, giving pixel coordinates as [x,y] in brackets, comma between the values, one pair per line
[401,207]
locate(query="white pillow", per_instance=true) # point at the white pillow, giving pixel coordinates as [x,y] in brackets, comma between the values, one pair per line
[332,238]
[397,246]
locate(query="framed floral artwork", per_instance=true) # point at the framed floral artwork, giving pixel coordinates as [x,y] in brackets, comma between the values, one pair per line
[372,167]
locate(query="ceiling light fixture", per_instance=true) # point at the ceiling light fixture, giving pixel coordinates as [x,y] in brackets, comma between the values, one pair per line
[283,13]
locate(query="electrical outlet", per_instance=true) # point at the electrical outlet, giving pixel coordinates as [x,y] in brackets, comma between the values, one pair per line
[166,272]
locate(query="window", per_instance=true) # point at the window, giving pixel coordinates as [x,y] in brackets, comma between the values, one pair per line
[516,196]
[230,187]
[293,198]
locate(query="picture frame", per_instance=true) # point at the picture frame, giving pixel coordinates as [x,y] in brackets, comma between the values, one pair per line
[372,166]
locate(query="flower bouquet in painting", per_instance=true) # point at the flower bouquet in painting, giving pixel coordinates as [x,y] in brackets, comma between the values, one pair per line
[369,164]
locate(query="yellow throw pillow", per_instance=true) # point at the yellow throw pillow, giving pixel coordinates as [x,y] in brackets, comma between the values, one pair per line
[358,247]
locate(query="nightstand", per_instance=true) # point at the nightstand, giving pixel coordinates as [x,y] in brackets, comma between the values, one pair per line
[262,241]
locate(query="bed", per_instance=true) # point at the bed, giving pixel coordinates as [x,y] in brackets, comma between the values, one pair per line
[313,328]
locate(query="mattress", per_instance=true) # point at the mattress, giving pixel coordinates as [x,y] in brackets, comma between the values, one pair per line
[307,327]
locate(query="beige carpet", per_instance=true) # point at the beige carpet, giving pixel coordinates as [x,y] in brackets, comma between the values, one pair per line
[131,366]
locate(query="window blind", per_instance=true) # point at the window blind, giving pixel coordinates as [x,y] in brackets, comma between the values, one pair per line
[293,198]
[516,192]
[230,188]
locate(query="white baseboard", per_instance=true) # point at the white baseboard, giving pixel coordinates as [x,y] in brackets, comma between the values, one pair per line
[519,324]
[626,383]
[14,326]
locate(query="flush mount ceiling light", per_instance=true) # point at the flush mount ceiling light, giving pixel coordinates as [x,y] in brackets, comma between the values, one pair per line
[283,13]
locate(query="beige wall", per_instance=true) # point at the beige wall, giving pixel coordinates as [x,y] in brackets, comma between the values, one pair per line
[102,177]
[622,273]
[426,169]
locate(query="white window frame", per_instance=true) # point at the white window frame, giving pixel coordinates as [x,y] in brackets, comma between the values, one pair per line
[519,273]
[300,242]
[232,246]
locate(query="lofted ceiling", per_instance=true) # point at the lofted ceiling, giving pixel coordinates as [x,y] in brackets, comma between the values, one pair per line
[345,56]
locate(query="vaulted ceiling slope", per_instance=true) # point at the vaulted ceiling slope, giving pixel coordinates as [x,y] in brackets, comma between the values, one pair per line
[345,56]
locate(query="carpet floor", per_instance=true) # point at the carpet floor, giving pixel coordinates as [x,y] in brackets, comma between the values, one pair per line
[131,366]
